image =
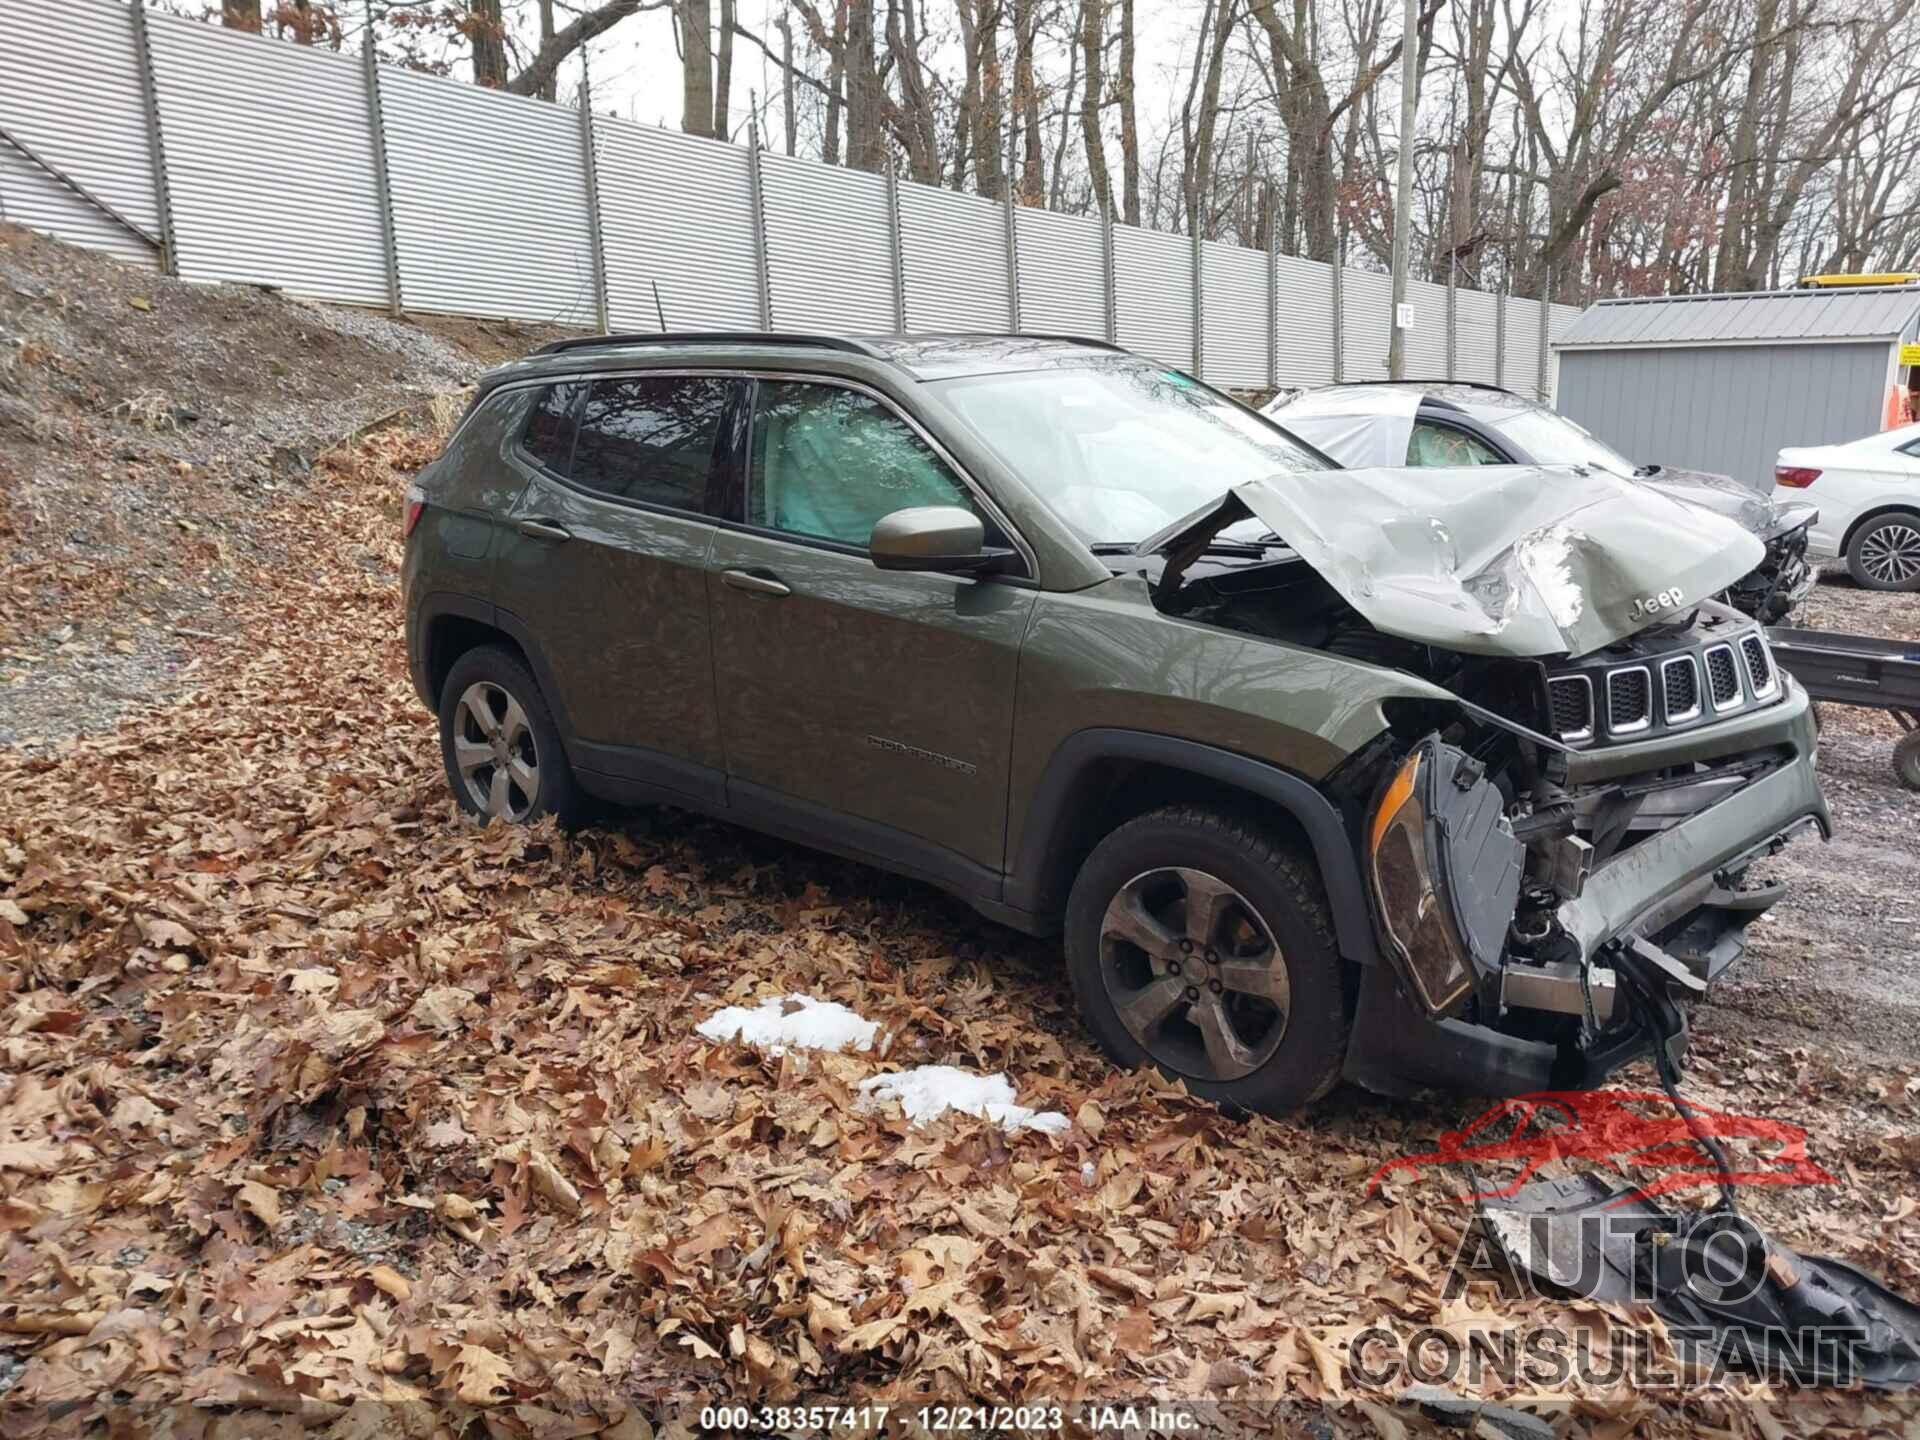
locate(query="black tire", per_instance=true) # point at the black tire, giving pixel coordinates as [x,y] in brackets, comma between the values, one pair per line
[535,745]
[1273,885]
[1906,759]
[1884,553]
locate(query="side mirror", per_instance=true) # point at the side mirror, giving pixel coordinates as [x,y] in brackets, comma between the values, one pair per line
[944,539]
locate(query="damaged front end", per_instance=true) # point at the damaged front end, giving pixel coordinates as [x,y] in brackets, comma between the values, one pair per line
[1558,857]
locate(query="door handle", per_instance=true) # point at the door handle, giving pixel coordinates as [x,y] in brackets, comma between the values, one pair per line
[545,530]
[753,584]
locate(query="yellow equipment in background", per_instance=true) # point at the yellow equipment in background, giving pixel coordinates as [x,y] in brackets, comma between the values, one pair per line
[1836,282]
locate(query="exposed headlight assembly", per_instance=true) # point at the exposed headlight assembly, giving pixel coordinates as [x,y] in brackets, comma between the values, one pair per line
[1446,869]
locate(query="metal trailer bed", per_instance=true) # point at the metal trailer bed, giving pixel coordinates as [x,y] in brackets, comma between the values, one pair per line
[1859,670]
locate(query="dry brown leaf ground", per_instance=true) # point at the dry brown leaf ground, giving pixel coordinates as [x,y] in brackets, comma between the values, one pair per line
[322,1107]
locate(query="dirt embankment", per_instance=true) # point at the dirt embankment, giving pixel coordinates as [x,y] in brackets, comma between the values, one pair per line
[149,429]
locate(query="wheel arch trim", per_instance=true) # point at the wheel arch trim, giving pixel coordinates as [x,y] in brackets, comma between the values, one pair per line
[1050,814]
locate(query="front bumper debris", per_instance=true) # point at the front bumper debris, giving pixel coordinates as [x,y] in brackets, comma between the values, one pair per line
[1732,1297]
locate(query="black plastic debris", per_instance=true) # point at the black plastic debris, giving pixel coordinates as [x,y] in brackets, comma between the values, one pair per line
[1732,1296]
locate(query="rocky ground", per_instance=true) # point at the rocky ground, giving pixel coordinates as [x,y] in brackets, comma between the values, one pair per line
[323,1110]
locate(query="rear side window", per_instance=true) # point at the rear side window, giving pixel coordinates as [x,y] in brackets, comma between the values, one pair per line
[651,438]
[548,440]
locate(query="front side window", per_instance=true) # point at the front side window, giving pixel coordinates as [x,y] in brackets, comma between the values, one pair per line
[1432,445]
[651,438]
[1121,449]
[828,463]
[548,438]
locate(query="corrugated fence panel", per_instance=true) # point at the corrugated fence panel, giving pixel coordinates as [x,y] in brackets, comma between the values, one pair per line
[1233,282]
[1427,343]
[1061,288]
[1153,283]
[1523,345]
[489,201]
[1476,357]
[1367,306]
[829,252]
[270,162]
[1303,322]
[956,257]
[70,90]
[677,210]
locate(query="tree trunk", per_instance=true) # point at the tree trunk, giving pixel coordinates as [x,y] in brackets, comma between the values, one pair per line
[696,66]
[1129,121]
[789,115]
[723,74]
[489,39]
[1026,104]
[1092,45]
[550,90]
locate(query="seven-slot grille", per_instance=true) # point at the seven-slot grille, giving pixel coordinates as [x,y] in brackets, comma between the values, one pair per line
[1622,701]
[1629,699]
[1723,681]
[1572,697]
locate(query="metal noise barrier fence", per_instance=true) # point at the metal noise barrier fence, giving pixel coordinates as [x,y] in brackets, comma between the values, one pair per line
[224,156]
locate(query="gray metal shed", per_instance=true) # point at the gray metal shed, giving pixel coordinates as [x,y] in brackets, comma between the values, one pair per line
[1722,382]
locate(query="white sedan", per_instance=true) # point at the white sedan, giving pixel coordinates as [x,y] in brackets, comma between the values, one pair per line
[1868,492]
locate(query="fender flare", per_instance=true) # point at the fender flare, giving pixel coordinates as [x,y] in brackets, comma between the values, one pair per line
[1325,829]
[442,603]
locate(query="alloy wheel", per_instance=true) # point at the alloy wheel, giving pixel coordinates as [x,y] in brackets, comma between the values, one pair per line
[1194,973]
[494,751]
[1891,553]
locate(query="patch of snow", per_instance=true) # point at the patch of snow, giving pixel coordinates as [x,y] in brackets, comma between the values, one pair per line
[1546,558]
[797,1022]
[1087,1173]
[929,1091]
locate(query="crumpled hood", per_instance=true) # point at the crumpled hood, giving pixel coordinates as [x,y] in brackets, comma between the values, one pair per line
[1493,560]
[1753,508]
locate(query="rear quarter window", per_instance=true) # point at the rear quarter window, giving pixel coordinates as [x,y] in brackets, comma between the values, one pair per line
[551,426]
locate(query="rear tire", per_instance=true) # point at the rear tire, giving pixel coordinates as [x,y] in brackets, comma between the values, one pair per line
[1884,553]
[1906,759]
[499,744]
[1200,944]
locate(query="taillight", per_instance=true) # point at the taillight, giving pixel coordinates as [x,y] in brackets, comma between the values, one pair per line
[1794,477]
[416,502]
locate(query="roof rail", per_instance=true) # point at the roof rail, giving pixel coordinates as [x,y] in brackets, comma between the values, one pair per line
[696,337]
[1418,380]
[1090,340]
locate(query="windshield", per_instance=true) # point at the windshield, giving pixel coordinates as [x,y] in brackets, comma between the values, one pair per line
[1555,440]
[1122,449]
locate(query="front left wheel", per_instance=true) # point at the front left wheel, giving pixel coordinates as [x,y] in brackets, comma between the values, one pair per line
[1199,943]
[500,745]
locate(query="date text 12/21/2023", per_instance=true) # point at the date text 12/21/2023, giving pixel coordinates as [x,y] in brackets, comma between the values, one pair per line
[938,1419]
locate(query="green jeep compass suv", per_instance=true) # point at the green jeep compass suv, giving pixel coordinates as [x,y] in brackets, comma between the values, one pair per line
[1421,777]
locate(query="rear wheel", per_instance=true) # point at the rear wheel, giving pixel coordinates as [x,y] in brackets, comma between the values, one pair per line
[1884,553]
[1200,944]
[1906,759]
[499,743]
